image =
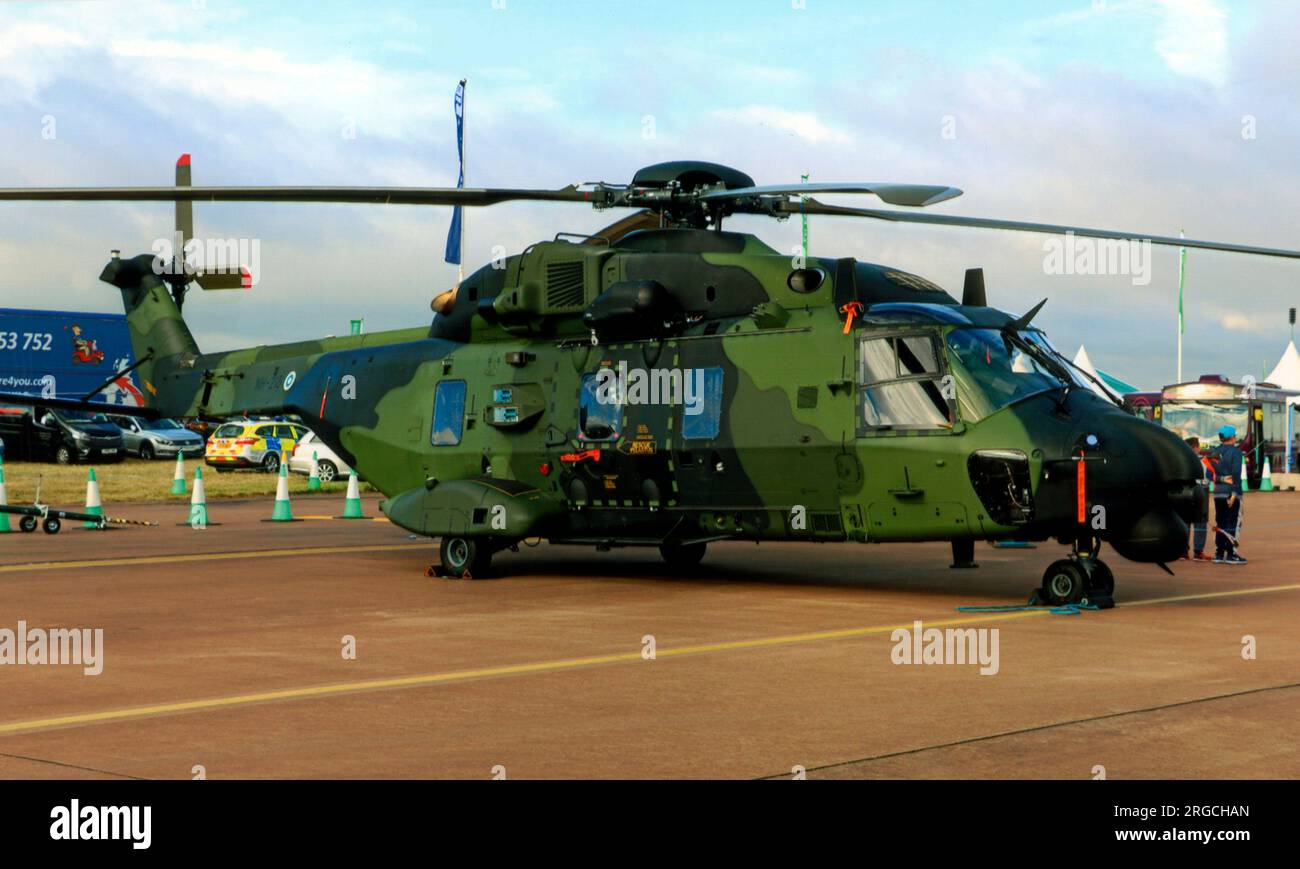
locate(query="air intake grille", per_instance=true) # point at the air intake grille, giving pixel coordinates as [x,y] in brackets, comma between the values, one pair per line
[564,287]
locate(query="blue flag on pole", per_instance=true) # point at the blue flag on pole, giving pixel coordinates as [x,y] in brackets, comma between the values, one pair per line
[453,235]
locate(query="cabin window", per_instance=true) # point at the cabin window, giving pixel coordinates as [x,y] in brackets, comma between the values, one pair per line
[901,384]
[702,403]
[600,407]
[448,413]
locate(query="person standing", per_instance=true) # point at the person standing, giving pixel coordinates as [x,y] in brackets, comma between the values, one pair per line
[1227,497]
[1200,530]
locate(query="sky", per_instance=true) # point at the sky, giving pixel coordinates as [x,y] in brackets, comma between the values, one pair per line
[1150,116]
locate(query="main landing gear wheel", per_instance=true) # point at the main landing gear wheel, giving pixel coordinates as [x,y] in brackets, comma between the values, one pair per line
[1064,582]
[465,557]
[683,555]
[28,524]
[51,524]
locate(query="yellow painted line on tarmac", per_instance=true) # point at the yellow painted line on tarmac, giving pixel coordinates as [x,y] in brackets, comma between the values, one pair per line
[345,688]
[1208,595]
[210,556]
[466,675]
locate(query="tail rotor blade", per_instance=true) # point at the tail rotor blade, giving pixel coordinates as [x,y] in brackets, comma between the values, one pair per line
[240,280]
[184,207]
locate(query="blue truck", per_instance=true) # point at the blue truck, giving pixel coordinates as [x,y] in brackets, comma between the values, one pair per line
[62,354]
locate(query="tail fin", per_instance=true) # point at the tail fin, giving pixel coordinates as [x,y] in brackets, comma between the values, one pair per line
[158,333]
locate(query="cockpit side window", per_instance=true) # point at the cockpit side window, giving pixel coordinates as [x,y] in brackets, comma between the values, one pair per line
[901,384]
[991,371]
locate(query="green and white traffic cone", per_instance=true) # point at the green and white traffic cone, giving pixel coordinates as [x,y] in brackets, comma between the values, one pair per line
[4,501]
[198,502]
[178,478]
[282,512]
[94,507]
[352,506]
[1266,481]
[313,481]
[1245,478]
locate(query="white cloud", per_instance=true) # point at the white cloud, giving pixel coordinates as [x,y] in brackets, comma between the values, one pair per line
[1238,322]
[1193,39]
[803,125]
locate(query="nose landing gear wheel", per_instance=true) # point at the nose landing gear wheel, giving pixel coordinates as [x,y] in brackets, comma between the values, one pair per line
[1064,582]
[683,556]
[464,557]
[1101,581]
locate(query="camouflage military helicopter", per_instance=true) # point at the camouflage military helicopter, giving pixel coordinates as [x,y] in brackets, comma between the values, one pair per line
[669,383]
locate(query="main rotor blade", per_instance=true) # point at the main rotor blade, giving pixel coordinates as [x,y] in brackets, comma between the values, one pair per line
[365,195]
[895,194]
[640,220]
[812,206]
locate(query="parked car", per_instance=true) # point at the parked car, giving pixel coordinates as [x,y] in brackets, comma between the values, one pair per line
[158,438]
[202,427]
[64,436]
[328,463]
[252,444]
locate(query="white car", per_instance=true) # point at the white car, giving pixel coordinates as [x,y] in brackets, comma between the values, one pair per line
[328,461]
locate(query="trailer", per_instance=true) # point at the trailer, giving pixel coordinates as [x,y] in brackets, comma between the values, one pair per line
[51,518]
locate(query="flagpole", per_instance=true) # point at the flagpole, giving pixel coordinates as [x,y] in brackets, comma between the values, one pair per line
[460,266]
[803,217]
[1182,266]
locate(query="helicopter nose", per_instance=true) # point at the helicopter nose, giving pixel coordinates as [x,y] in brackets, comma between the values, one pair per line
[1149,484]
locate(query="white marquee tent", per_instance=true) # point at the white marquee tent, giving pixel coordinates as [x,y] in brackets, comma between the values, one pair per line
[1286,373]
[1083,363]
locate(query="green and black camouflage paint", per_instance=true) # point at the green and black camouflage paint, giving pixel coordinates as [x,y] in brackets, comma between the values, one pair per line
[788,435]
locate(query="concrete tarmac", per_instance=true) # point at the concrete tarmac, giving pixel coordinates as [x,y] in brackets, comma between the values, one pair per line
[223,653]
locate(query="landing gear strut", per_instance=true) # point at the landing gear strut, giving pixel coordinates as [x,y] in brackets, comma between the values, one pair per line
[963,553]
[1081,578]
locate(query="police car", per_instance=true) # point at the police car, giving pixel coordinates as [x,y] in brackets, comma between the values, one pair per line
[252,444]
